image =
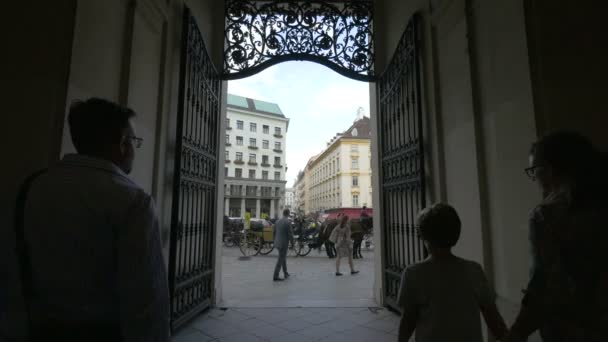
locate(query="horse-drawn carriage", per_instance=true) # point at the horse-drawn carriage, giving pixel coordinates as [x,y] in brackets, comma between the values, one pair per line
[259,239]
[361,225]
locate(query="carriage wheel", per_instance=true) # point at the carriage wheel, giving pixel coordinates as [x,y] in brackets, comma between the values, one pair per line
[267,248]
[303,248]
[250,244]
[229,239]
[293,250]
[368,241]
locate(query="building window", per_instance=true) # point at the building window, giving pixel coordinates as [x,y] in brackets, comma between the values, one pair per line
[252,142]
[265,144]
[277,160]
[266,129]
[277,130]
[227,139]
[239,156]
[239,124]
[355,180]
[226,172]
[227,123]
[253,127]
[354,148]
[277,145]
[251,174]
[355,200]
[227,155]
[354,164]
[252,157]
[277,175]
[238,173]
[264,174]
[264,159]
[239,141]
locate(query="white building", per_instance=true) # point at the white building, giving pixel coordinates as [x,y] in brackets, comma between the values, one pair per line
[255,157]
[289,198]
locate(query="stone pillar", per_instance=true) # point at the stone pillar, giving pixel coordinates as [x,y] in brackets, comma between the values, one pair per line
[273,214]
[226,206]
[243,207]
[257,208]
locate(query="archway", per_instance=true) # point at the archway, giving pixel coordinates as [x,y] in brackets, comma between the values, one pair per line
[259,34]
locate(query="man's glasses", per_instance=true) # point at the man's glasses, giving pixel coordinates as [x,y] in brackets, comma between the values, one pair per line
[137,141]
[531,171]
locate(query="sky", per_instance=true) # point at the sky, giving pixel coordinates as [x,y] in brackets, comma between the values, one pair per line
[318,102]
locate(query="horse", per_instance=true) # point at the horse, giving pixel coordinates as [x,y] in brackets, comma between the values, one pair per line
[359,228]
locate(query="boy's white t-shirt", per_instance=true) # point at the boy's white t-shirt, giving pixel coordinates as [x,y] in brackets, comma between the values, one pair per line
[445,295]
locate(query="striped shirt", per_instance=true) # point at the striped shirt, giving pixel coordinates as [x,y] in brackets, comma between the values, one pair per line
[95,250]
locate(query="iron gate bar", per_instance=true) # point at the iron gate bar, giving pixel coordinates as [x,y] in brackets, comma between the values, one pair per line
[337,34]
[192,245]
[402,160]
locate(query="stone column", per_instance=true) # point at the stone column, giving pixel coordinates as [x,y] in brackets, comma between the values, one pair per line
[257,208]
[272,212]
[243,207]
[226,206]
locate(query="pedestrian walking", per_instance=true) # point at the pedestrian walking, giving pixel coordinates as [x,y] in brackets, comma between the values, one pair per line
[283,235]
[340,236]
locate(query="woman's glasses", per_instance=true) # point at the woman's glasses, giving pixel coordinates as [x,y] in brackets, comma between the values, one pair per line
[531,171]
[137,141]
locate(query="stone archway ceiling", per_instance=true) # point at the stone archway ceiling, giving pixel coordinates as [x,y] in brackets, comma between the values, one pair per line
[337,34]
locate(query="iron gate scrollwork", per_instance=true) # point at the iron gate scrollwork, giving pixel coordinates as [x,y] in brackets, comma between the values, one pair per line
[402,160]
[191,265]
[337,34]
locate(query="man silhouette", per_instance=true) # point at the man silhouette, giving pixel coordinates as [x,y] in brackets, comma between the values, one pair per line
[283,235]
[93,242]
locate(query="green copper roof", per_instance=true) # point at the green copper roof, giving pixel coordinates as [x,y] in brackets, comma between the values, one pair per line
[255,105]
[237,101]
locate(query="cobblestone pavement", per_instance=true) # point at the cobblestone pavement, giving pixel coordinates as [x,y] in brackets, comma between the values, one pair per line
[248,283]
[312,305]
[292,325]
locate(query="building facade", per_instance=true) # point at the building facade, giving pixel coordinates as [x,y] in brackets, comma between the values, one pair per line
[289,198]
[254,158]
[299,192]
[340,176]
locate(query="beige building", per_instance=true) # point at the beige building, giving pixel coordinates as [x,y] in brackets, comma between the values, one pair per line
[340,176]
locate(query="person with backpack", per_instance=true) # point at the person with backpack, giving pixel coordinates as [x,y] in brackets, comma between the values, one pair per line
[567,295]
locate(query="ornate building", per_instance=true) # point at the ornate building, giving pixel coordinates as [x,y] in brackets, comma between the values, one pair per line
[255,158]
[340,176]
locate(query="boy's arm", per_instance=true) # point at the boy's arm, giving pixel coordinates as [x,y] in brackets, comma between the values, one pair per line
[407,301]
[494,321]
[406,328]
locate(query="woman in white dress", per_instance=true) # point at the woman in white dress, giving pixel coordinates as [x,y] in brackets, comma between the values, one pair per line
[340,236]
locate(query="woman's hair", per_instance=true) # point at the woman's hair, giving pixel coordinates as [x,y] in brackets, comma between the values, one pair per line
[573,158]
[440,225]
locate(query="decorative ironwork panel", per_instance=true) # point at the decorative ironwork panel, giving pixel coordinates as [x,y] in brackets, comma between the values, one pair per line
[191,268]
[402,160]
[337,34]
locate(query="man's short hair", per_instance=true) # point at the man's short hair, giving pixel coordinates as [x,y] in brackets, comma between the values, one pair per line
[97,123]
[440,225]
[286,212]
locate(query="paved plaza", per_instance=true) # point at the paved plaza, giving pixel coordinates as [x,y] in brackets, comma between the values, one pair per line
[292,325]
[248,283]
[312,305]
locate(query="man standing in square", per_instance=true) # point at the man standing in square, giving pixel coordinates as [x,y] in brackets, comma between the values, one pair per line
[283,235]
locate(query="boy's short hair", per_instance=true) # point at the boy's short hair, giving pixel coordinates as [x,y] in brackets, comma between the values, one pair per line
[439,225]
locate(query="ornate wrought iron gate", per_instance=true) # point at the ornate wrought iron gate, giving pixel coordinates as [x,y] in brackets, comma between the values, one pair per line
[402,160]
[191,265]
